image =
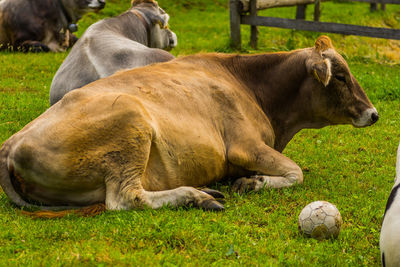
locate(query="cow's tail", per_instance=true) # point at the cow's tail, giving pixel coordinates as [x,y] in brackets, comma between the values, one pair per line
[88,211]
[5,180]
[398,164]
[6,176]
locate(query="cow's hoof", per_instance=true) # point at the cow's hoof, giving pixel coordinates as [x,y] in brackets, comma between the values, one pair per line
[212,192]
[211,204]
[254,183]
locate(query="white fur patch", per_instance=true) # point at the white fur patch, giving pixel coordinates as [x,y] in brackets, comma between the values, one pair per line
[398,166]
[94,4]
[365,118]
[175,40]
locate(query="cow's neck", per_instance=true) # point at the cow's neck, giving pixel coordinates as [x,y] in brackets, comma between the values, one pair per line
[122,25]
[275,80]
[145,22]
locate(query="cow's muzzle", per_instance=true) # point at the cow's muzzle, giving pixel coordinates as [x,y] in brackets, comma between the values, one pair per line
[173,40]
[367,118]
[97,5]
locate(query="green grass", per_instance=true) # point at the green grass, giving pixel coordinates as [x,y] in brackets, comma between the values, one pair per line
[352,168]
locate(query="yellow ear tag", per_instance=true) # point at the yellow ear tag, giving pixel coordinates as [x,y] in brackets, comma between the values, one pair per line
[161,25]
[316,76]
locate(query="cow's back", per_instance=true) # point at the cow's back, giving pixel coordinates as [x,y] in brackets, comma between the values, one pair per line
[196,88]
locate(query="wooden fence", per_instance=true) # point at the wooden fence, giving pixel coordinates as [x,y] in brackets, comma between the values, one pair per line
[239,15]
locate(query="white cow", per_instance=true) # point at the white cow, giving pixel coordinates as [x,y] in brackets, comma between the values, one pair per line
[390,232]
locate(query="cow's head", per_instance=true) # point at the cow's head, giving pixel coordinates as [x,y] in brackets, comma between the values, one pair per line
[336,96]
[90,5]
[75,9]
[160,35]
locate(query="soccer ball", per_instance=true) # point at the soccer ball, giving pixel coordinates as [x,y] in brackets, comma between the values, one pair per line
[320,220]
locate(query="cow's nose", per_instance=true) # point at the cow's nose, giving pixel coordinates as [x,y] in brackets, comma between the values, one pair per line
[173,40]
[374,117]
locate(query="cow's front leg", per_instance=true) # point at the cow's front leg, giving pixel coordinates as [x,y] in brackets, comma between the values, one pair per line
[258,182]
[275,170]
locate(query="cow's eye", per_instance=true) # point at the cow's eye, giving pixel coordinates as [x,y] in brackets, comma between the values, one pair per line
[340,78]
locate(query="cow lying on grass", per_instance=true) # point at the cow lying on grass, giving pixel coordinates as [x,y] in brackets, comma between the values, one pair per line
[150,136]
[390,237]
[42,25]
[113,44]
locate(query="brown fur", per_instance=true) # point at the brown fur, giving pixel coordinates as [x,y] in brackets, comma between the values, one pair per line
[149,136]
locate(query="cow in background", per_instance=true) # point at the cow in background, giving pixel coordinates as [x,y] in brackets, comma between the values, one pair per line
[132,39]
[42,25]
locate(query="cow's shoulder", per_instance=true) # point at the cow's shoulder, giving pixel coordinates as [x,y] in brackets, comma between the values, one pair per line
[239,110]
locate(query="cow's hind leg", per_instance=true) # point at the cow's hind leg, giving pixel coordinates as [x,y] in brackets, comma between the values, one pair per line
[125,161]
[181,196]
[124,191]
[137,197]
[126,168]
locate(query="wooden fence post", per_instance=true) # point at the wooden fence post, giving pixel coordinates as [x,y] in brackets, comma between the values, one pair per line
[317,10]
[301,12]
[254,29]
[374,6]
[234,15]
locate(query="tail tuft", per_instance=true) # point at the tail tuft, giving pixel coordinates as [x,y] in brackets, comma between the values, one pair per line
[88,211]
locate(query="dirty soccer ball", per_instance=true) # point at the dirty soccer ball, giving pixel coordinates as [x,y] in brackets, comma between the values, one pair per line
[320,220]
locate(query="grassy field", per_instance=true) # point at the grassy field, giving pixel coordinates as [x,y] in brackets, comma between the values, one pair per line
[352,168]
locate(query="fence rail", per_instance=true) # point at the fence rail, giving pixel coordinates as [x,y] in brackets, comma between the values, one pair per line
[303,25]
[237,18]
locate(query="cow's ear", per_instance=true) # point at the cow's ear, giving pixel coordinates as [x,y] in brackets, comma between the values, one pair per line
[164,20]
[321,70]
[318,66]
[161,20]
[323,43]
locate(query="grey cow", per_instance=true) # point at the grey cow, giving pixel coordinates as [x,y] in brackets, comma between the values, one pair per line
[129,40]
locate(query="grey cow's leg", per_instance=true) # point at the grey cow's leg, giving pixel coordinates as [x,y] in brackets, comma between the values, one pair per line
[275,170]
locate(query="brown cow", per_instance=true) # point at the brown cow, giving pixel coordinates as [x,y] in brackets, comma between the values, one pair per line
[149,136]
